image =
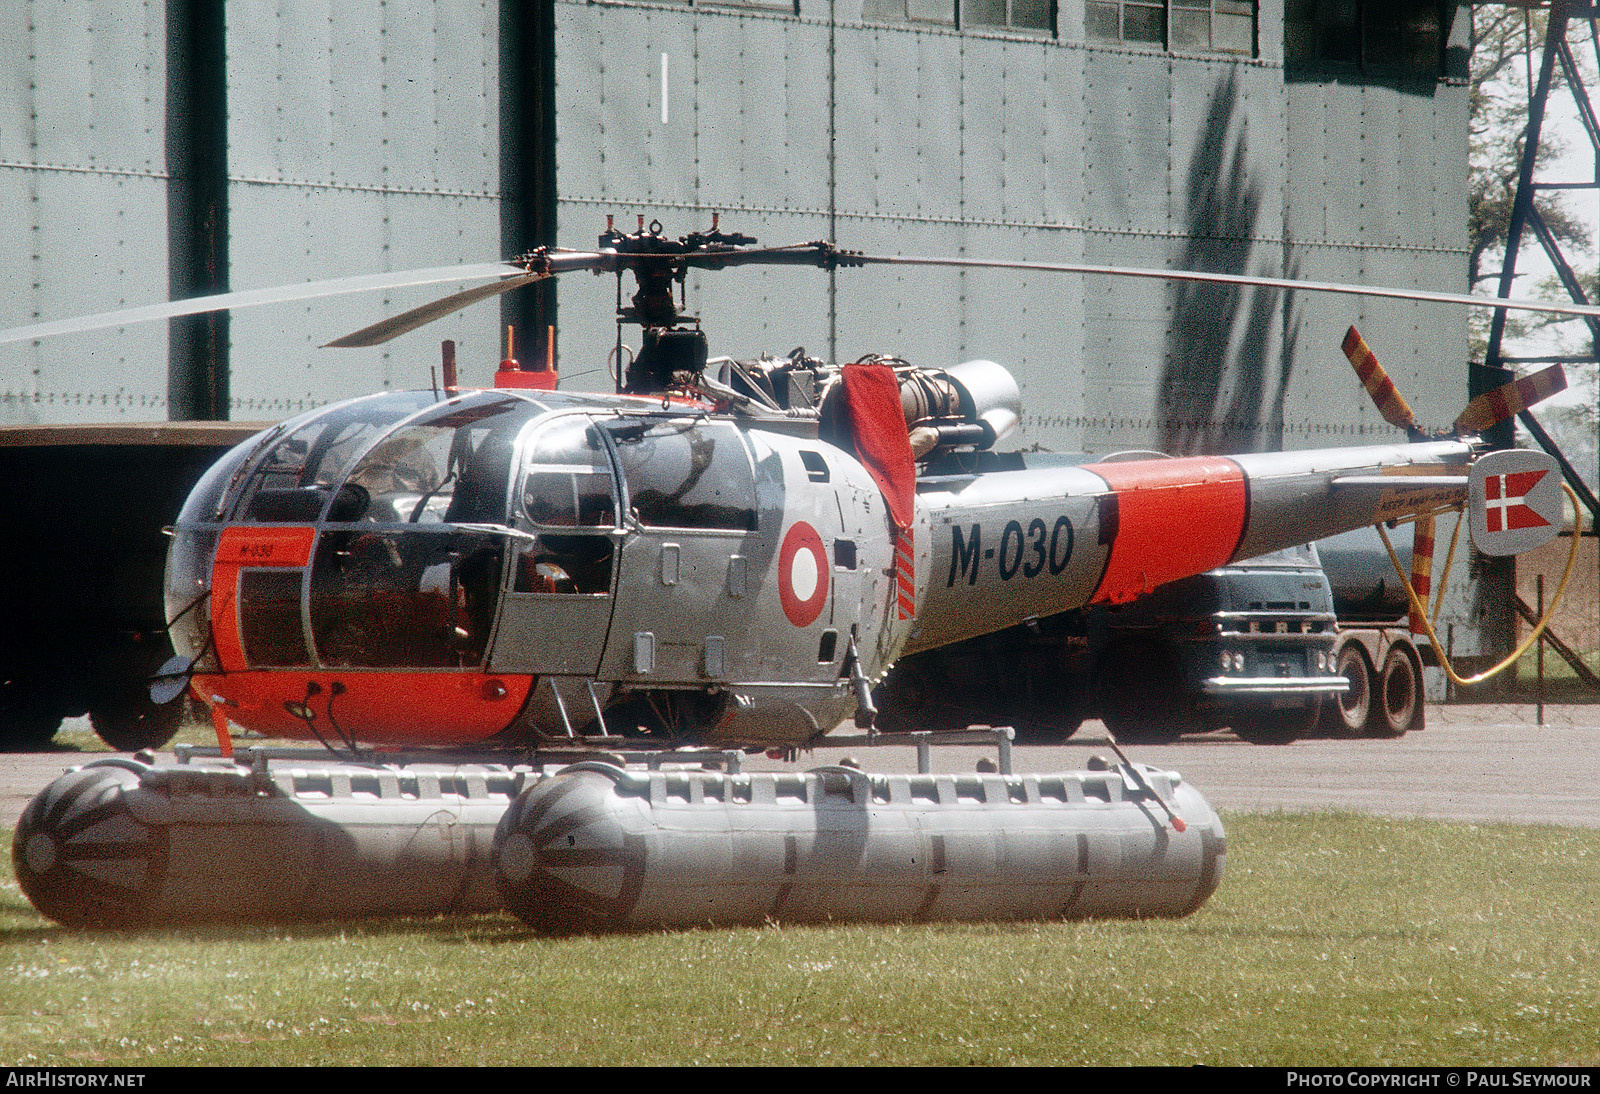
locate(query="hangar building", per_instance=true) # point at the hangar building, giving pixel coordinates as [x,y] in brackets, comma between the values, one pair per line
[170,148]
[205,145]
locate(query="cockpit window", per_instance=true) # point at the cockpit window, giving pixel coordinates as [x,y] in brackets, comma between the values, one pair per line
[294,480]
[391,598]
[453,465]
[452,462]
[686,474]
[569,498]
[568,483]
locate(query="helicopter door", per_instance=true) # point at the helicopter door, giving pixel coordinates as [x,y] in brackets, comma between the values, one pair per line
[558,607]
[685,554]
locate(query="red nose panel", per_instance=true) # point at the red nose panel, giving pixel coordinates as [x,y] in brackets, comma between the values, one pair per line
[1174,518]
[247,547]
[384,708]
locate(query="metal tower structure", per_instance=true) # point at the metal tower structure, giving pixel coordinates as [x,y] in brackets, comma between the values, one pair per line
[1563,14]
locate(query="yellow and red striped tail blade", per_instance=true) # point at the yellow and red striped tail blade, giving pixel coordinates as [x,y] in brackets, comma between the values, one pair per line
[1508,400]
[1391,404]
[1421,568]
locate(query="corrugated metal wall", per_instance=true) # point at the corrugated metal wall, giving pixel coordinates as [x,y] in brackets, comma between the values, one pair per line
[1013,146]
[83,197]
[364,136]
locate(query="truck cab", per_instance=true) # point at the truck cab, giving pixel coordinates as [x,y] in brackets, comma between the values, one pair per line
[1249,646]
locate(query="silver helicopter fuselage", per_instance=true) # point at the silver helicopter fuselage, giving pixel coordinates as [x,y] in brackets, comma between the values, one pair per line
[510,565]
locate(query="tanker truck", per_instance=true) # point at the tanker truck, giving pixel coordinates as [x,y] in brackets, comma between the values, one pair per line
[1272,647]
[1375,651]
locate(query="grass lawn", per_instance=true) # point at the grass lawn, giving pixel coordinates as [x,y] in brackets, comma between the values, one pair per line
[1334,939]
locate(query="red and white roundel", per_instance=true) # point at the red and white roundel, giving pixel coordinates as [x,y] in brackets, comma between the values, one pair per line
[802,574]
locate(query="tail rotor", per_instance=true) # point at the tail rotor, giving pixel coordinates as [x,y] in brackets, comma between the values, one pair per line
[1487,410]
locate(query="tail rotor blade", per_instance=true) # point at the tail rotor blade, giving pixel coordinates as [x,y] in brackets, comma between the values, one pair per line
[1391,404]
[1493,407]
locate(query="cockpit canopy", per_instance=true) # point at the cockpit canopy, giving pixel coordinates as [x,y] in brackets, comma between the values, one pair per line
[416,513]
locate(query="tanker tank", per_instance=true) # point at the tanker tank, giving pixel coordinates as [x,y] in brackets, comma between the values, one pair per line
[1365,588]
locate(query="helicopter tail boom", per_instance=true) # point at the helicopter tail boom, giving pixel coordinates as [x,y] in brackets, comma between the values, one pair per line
[1044,537]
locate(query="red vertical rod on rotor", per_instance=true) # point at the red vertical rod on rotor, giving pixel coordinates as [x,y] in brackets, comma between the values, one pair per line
[447,350]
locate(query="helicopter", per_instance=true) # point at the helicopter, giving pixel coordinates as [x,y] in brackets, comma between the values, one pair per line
[726,553]
[440,587]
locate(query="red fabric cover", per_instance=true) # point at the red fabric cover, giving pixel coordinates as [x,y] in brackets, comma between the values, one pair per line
[883,444]
[1175,518]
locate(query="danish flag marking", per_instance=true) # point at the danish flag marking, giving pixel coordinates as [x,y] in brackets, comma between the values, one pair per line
[1502,501]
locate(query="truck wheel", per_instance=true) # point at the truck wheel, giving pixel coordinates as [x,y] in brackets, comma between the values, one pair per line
[1141,695]
[132,722]
[23,732]
[1398,695]
[1278,727]
[1355,705]
[120,707]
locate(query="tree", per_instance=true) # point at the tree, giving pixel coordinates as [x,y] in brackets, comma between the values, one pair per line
[1506,43]
[1507,46]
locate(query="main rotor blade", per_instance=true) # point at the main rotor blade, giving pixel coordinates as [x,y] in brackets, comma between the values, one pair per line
[396,325]
[1503,303]
[549,265]
[511,276]
[248,298]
